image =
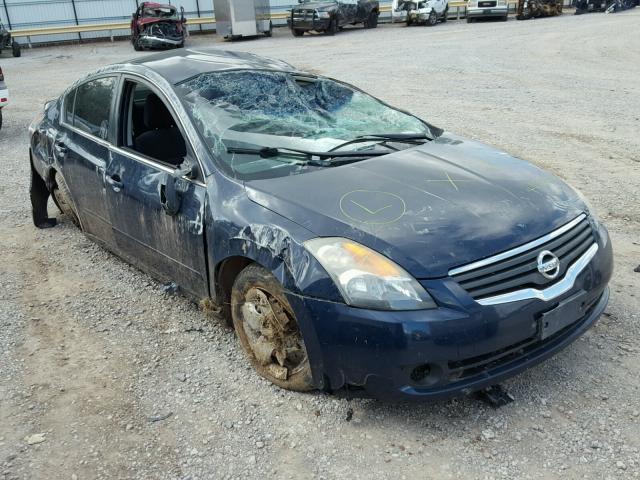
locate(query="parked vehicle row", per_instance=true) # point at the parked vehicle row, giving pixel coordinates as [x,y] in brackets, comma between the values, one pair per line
[297,203]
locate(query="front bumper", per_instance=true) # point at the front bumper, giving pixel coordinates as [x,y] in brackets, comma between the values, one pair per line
[419,17]
[318,24]
[488,12]
[149,41]
[465,345]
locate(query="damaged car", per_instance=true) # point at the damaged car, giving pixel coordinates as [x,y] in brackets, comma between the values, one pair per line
[158,26]
[353,246]
[427,12]
[7,42]
[331,16]
[4,95]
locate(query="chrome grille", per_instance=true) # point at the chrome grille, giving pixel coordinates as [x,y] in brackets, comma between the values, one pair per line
[519,271]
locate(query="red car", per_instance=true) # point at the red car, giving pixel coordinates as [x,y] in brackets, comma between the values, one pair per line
[154,25]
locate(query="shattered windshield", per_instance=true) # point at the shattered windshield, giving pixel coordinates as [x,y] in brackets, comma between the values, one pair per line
[160,12]
[284,110]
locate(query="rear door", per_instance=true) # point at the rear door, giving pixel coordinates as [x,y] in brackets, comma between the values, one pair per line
[81,147]
[168,244]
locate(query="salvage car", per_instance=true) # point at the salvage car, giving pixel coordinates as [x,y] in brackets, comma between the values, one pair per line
[7,42]
[353,246]
[4,95]
[158,26]
[427,12]
[330,16]
[487,9]
[527,9]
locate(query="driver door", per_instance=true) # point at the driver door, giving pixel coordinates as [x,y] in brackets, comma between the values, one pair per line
[157,214]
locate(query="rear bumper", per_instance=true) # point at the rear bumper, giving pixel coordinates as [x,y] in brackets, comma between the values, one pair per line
[159,42]
[488,12]
[465,345]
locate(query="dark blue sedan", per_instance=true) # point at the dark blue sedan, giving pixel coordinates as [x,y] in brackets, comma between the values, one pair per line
[353,246]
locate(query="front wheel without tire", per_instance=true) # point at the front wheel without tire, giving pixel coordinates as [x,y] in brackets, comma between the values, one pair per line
[268,330]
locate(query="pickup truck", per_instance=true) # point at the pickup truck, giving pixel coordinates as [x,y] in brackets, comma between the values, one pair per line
[330,16]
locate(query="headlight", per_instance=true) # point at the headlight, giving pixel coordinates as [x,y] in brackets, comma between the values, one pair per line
[367,279]
[323,15]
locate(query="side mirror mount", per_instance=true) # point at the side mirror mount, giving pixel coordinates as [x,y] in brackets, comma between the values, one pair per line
[176,184]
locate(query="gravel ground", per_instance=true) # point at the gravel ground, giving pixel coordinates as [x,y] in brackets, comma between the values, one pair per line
[103,375]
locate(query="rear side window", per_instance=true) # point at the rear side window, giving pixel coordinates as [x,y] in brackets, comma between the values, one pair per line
[93,102]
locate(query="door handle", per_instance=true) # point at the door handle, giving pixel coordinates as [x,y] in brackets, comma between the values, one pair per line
[115,182]
[60,148]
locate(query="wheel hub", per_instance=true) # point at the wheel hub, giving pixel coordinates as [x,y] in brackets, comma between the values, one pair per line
[273,334]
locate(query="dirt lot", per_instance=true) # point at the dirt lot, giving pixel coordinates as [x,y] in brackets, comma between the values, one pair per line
[94,355]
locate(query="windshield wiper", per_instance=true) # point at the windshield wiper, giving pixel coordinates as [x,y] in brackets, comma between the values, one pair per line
[415,138]
[322,159]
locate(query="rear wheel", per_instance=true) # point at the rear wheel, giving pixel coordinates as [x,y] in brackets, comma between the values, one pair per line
[63,200]
[433,18]
[15,47]
[297,33]
[372,20]
[268,330]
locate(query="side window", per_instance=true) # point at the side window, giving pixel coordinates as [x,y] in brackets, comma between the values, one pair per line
[93,106]
[69,101]
[149,126]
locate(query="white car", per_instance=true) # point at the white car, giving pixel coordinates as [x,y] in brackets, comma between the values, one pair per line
[487,9]
[427,12]
[4,95]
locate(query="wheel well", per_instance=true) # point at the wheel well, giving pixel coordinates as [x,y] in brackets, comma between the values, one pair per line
[226,273]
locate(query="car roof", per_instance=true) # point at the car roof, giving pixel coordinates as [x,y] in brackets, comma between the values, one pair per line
[179,65]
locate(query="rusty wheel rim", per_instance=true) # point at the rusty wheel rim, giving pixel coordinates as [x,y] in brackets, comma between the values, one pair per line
[272,334]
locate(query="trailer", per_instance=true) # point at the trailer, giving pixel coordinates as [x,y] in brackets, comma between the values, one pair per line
[242,18]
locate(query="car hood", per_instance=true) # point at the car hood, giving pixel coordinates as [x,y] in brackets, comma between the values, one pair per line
[430,208]
[315,6]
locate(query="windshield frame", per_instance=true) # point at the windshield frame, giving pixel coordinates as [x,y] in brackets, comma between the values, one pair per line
[225,167]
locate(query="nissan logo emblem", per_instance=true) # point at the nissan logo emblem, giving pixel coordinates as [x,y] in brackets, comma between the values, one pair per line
[548,264]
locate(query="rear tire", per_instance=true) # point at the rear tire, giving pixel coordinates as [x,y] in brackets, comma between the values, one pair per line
[17,51]
[372,20]
[268,330]
[297,33]
[63,200]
